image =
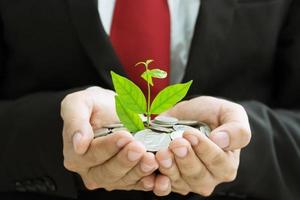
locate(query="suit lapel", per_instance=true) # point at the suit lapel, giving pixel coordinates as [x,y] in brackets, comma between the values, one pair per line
[212,28]
[85,17]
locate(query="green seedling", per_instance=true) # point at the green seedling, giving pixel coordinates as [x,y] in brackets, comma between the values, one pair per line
[131,102]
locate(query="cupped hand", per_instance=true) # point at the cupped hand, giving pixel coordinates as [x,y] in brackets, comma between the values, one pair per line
[113,162]
[196,163]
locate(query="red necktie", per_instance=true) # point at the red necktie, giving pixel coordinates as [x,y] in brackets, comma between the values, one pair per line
[140,31]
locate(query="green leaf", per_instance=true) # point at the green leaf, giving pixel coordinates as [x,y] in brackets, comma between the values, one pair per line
[147,77]
[153,73]
[146,63]
[132,121]
[169,96]
[129,93]
[157,73]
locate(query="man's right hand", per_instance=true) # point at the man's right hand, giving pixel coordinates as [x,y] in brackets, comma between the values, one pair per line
[113,162]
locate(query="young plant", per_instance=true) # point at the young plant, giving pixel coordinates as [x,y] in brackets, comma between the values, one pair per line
[131,102]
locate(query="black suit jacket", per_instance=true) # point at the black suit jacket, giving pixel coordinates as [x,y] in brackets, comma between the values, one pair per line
[247,51]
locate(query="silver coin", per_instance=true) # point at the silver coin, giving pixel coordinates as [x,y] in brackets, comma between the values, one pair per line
[205,130]
[176,134]
[119,129]
[165,120]
[181,127]
[161,125]
[116,125]
[101,132]
[188,122]
[160,129]
[153,141]
[202,124]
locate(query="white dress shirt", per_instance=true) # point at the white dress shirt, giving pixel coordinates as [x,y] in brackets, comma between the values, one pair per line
[183,15]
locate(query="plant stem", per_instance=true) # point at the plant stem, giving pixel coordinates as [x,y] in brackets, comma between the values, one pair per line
[148,101]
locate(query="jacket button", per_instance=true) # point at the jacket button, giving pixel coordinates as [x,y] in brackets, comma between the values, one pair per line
[49,184]
[40,185]
[30,186]
[19,187]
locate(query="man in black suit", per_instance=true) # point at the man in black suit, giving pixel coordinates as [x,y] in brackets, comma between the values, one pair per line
[248,52]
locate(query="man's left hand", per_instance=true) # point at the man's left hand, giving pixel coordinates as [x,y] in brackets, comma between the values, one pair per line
[196,163]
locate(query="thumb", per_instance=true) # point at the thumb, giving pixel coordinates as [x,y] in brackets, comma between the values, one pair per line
[76,110]
[234,131]
[174,111]
[231,136]
[82,138]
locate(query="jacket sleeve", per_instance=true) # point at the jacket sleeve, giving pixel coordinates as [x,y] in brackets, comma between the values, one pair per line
[270,164]
[31,145]
[31,158]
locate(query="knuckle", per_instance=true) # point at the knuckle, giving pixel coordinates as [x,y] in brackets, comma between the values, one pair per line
[71,166]
[109,188]
[92,156]
[108,174]
[230,175]
[135,175]
[64,101]
[90,185]
[244,134]
[123,134]
[184,192]
[127,181]
[130,188]
[217,159]
[240,107]
[68,98]
[176,181]
[194,178]
[206,191]
[63,105]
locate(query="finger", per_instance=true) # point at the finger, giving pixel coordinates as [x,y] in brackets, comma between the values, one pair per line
[105,106]
[168,167]
[147,183]
[118,166]
[76,110]
[220,164]
[146,167]
[162,185]
[104,148]
[192,170]
[234,132]
[231,136]
[100,150]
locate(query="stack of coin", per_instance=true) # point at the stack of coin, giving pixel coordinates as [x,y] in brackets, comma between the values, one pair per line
[161,132]
[109,129]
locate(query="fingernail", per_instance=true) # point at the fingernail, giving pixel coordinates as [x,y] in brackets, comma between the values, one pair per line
[192,139]
[134,156]
[121,142]
[76,141]
[146,168]
[167,163]
[180,151]
[221,139]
